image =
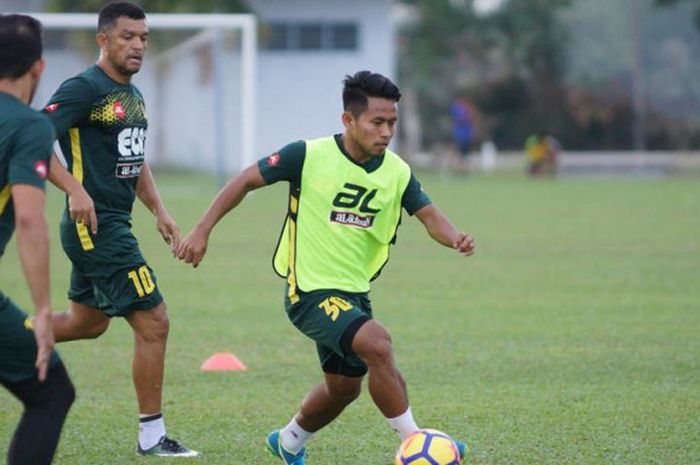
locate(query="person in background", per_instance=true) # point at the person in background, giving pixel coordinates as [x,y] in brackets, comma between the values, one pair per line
[462,114]
[541,152]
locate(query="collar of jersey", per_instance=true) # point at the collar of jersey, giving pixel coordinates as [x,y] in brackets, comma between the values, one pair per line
[369,166]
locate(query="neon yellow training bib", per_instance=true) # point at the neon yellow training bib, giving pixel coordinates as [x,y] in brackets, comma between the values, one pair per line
[338,231]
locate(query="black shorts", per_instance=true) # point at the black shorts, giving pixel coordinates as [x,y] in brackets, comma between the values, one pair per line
[109,272]
[332,318]
[17,344]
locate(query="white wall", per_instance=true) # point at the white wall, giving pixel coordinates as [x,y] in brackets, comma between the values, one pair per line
[300,93]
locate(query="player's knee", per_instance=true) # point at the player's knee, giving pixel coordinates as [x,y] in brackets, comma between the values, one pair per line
[65,396]
[96,329]
[155,327]
[345,393]
[372,344]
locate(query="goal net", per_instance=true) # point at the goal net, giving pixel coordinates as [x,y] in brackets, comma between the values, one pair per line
[198,80]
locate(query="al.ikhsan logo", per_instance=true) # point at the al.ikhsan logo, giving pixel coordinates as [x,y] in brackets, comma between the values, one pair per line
[273,160]
[41,169]
[118,110]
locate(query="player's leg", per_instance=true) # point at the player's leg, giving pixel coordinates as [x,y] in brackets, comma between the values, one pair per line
[372,344]
[327,400]
[82,320]
[320,407]
[46,406]
[150,329]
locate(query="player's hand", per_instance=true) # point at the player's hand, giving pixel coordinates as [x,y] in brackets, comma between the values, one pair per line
[169,230]
[193,247]
[43,333]
[82,209]
[464,244]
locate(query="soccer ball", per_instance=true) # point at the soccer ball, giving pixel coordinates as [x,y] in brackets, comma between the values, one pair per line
[427,447]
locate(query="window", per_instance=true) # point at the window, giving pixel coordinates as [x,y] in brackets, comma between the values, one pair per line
[344,36]
[308,36]
[277,36]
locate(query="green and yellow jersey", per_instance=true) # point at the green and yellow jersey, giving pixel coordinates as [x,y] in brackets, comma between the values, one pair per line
[342,216]
[101,127]
[26,138]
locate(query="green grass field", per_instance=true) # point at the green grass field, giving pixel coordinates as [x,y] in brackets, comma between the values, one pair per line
[571,337]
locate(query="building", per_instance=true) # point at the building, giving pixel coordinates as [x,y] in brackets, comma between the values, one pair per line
[305,49]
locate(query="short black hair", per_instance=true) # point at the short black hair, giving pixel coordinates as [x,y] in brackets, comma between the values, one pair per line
[111,12]
[367,84]
[20,45]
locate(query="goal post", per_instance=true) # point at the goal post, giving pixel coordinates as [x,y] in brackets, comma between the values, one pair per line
[229,155]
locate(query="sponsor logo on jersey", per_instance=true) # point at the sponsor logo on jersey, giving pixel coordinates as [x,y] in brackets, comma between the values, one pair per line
[41,168]
[352,219]
[128,170]
[51,108]
[273,160]
[118,110]
[131,142]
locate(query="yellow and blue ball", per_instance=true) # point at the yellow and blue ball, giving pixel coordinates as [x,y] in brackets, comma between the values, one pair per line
[428,447]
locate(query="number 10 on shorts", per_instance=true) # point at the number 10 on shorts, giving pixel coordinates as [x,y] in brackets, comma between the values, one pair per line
[142,281]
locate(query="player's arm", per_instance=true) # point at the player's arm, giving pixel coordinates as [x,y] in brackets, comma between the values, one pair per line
[147,192]
[67,108]
[441,229]
[80,205]
[194,246]
[33,245]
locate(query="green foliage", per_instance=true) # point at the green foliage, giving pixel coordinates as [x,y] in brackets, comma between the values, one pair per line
[450,50]
[670,3]
[560,66]
[569,338]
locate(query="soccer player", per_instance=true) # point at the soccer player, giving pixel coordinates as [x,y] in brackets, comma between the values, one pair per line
[100,121]
[346,196]
[29,368]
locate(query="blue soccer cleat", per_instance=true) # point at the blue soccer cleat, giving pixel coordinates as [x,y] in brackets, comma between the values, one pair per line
[462,448]
[274,445]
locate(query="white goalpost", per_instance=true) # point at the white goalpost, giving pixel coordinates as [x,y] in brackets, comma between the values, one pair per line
[200,93]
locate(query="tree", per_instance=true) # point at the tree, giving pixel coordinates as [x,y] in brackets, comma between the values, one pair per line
[668,3]
[511,62]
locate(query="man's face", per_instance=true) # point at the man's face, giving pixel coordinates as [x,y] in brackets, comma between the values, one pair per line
[125,44]
[372,130]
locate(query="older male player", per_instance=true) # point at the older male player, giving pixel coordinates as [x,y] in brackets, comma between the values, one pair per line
[100,120]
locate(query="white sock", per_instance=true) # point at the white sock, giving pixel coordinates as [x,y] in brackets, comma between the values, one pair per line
[404,424]
[293,437]
[151,429]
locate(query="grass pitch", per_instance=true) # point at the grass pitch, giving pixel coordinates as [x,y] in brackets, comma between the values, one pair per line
[571,337]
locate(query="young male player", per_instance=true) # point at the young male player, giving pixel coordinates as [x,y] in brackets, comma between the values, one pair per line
[100,122]
[346,196]
[29,368]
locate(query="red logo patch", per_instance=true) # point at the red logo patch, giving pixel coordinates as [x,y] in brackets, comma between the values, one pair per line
[51,108]
[42,169]
[273,160]
[118,110]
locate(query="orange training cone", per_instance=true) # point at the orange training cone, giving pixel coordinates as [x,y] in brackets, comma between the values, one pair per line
[223,361]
